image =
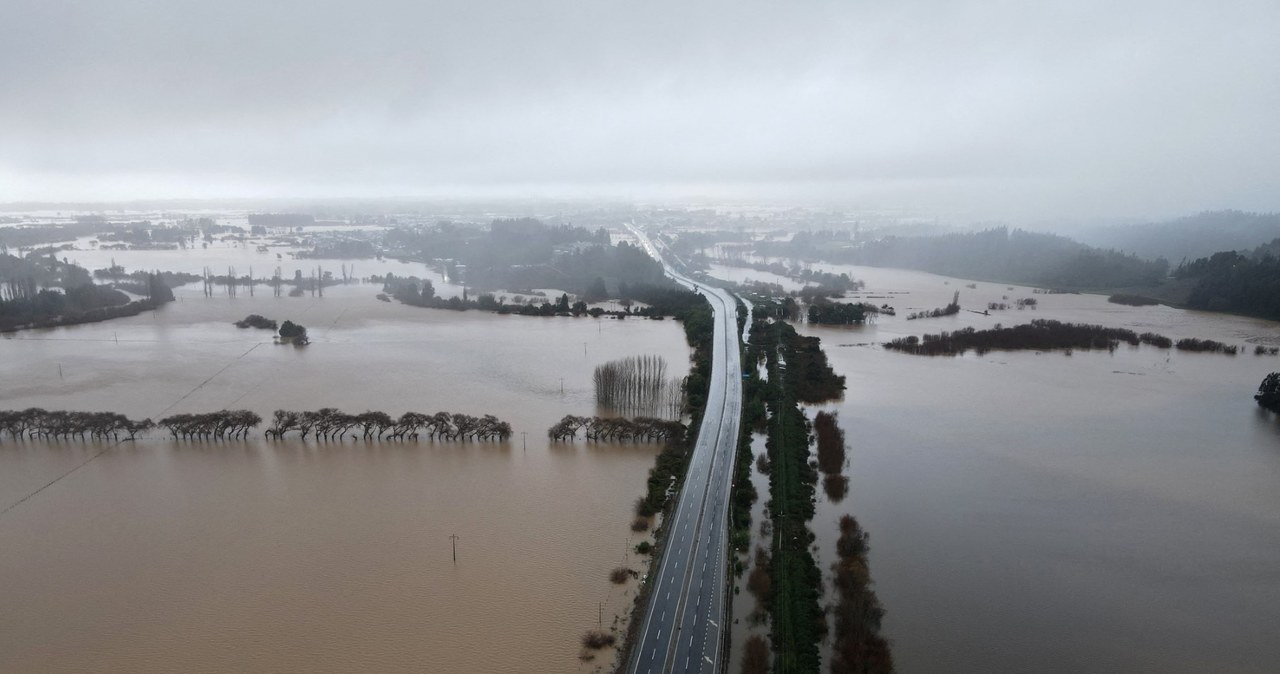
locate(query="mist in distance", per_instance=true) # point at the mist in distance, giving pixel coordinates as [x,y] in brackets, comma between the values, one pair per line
[1022,111]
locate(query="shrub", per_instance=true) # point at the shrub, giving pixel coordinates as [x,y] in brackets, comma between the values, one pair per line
[256,321]
[596,639]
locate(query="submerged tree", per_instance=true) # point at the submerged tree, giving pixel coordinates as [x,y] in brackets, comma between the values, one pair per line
[638,384]
[1268,395]
[617,428]
[35,422]
[333,424]
[294,333]
[211,425]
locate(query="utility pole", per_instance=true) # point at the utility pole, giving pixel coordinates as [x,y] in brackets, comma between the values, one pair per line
[454,538]
[524,441]
[600,620]
[562,386]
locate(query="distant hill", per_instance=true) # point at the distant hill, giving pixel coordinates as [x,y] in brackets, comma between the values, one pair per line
[1191,237]
[1230,281]
[998,254]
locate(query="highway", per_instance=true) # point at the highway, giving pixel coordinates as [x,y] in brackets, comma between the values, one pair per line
[682,626]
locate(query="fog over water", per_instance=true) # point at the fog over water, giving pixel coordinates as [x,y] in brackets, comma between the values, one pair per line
[988,109]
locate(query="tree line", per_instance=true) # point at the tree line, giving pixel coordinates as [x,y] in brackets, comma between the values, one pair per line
[323,424]
[1046,335]
[617,428]
[41,292]
[996,254]
[211,425]
[333,424]
[831,453]
[1234,282]
[794,580]
[858,647]
[35,422]
[825,312]
[949,310]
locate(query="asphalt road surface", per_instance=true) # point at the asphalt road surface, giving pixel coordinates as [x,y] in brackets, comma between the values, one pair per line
[682,624]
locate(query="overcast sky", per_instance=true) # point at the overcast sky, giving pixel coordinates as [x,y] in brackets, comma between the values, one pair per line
[1000,109]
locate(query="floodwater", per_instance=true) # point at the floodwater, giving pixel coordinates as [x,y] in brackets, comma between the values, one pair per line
[1099,512]
[244,258]
[258,556]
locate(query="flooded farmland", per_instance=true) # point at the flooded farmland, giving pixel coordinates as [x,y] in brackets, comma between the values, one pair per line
[292,555]
[1110,512]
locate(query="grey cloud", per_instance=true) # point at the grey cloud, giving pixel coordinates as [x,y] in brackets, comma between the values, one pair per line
[992,108]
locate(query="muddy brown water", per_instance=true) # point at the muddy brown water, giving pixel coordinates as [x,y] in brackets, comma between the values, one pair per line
[259,556]
[1100,512]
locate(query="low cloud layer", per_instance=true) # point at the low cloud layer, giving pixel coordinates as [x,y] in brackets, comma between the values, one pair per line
[995,109]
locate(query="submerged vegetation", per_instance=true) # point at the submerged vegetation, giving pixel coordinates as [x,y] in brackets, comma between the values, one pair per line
[39,291]
[291,332]
[798,371]
[1042,335]
[858,647]
[1133,300]
[331,424]
[1046,335]
[826,312]
[35,422]
[1268,395]
[949,310]
[256,321]
[786,580]
[831,452]
[617,428]
[1206,345]
[638,384]
[211,425]
[324,424]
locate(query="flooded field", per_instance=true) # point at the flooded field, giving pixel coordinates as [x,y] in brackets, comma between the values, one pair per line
[262,556]
[1103,512]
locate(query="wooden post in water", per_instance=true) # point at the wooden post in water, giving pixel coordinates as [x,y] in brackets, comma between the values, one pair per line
[454,538]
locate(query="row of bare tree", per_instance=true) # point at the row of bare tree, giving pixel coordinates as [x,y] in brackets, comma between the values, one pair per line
[34,422]
[329,424]
[617,428]
[212,425]
[638,384]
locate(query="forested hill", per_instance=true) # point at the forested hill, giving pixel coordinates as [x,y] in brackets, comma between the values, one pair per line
[526,253]
[997,254]
[1191,237]
[1231,281]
